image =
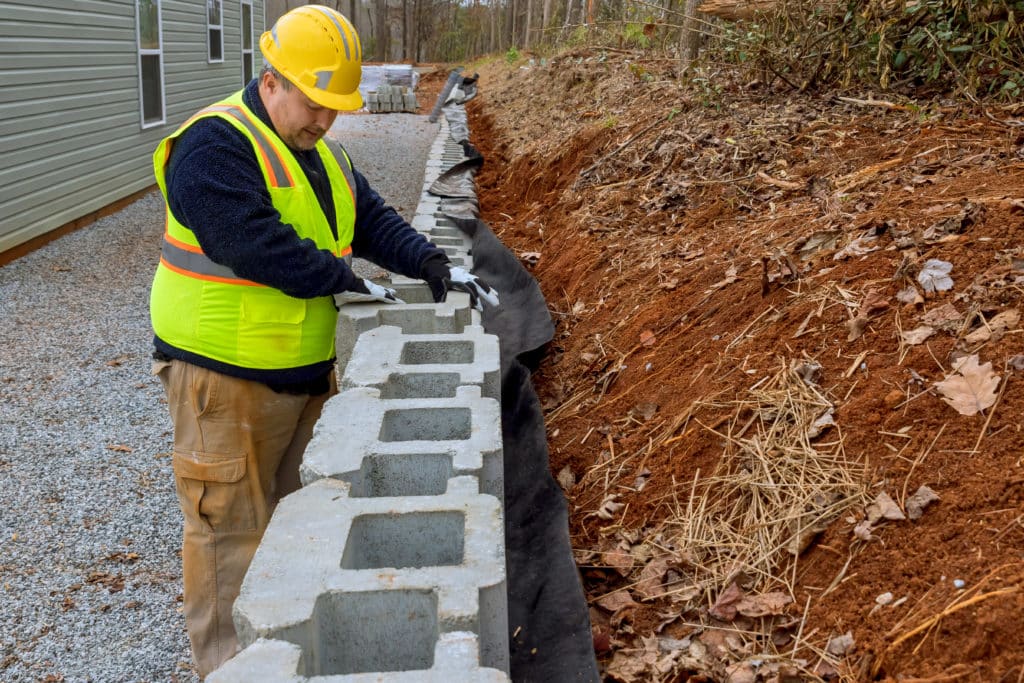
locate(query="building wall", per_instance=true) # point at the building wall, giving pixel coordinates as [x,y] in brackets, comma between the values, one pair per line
[71,134]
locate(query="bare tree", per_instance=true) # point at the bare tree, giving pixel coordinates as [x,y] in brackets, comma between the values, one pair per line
[690,36]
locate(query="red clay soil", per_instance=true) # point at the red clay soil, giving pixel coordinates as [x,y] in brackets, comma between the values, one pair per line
[693,241]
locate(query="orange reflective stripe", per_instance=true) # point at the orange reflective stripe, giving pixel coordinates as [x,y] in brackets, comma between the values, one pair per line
[182,245]
[193,263]
[276,167]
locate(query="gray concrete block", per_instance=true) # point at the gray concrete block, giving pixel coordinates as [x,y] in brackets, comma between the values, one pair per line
[369,585]
[424,318]
[407,446]
[456,660]
[424,365]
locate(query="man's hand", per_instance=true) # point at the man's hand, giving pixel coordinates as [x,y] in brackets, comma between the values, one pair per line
[443,277]
[479,291]
[367,290]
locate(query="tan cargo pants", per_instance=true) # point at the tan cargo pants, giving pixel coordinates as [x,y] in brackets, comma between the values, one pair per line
[237,449]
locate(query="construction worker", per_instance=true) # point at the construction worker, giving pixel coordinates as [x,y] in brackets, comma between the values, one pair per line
[262,221]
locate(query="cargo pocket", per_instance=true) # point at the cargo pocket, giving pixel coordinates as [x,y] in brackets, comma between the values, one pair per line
[214,491]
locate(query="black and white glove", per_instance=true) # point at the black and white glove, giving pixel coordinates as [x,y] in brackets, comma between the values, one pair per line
[367,290]
[443,277]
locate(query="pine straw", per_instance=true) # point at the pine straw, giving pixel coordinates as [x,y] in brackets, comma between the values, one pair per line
[774,490]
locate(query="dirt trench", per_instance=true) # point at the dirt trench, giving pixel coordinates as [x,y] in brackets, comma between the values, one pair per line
[744,286]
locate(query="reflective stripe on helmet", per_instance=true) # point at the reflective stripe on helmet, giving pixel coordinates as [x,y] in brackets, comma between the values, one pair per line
[334,16]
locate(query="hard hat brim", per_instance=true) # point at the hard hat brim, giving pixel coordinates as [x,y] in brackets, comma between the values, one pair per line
[339,102]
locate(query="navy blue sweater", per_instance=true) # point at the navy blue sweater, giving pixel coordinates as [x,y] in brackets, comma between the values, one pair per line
[216,189]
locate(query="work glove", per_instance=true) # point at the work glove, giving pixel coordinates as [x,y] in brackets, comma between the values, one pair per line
[443,277]
[367,290]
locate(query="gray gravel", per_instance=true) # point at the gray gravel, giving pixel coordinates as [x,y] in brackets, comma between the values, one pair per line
[90,580]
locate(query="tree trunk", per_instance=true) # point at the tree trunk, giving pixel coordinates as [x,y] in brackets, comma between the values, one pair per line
[526,25]
[545,21]
[383,34]
[690,37]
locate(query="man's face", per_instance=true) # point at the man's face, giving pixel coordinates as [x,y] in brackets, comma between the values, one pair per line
[299,121]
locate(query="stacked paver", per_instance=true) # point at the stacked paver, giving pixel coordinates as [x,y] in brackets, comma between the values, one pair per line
[389,563]
[391,98]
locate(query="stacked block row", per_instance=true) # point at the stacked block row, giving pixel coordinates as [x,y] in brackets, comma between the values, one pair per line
[389,563]
[391,98]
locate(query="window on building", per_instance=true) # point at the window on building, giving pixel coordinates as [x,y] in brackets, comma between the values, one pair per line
[247,66]
[215,30]
[151,62]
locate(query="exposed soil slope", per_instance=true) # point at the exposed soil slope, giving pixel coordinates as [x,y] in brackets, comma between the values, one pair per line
[729,267]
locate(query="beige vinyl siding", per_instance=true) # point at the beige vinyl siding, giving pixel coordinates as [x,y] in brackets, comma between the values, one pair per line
[71,137]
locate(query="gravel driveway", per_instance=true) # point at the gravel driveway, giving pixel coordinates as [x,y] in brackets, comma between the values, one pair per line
[89,524]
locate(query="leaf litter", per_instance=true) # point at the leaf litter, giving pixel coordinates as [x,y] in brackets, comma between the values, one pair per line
[673,208]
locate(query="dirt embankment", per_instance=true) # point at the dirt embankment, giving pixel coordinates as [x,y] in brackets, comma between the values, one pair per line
[779,317]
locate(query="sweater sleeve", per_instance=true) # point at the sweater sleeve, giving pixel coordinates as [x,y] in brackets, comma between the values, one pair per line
[216,189]
[382,236]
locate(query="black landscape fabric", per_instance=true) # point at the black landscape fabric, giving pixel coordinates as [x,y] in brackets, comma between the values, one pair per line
[549,625]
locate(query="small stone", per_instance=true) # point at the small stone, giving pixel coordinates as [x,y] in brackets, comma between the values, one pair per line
[959,583]
[893,399]
[884,598]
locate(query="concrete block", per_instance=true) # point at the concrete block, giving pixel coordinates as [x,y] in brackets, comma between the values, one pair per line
[369,585]
[423,318]
[277,661]
[424,365]
[406,446]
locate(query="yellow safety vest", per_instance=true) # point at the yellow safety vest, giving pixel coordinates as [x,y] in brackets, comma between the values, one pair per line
[203,307]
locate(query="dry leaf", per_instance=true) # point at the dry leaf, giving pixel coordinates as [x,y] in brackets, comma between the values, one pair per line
[856,327]
[566,479]
[840,645]
[649,586]
[864,244]
[918,335]
[730,277]
[921,499]
[1016,362]
[773,603]
[934,277]
[725,606]
[819,241]
[619,600]
[647,338]
[863,530]
[530,258]
[620,560]
[609,507]
[972,388]
[943,317]
[884,507]
[909,296]
[994,328]
[740,672]
[646,409]
[120,448]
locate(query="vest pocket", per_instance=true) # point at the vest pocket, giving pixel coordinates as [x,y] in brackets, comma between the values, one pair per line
[214,491]
[271,330]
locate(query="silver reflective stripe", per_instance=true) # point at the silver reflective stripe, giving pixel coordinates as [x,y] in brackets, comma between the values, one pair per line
[341,31]
[273,34]
[346,169]
[323,79]
[269,151]
[347,258]
[199,264]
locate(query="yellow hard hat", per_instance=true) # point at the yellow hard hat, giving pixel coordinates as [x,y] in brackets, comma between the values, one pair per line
[317,49]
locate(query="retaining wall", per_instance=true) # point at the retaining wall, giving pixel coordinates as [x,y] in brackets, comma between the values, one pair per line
[389,564]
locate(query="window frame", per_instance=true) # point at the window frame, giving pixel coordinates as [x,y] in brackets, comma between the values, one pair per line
[251,51]
[220,33]
[157,52]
